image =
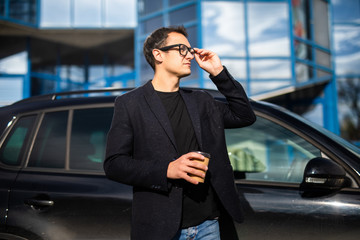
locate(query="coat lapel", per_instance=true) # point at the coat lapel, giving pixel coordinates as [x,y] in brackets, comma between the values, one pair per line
[194,113]
[158,110]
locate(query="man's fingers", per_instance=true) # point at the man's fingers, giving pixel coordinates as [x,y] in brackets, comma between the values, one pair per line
[191,180]
[196,172]
[188,164]
[194,155]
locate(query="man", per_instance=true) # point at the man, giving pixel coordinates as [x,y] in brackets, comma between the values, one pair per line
[154,131]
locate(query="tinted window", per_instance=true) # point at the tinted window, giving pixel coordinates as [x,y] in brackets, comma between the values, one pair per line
[50,144]
[88,138]
[268,152]
[13,147]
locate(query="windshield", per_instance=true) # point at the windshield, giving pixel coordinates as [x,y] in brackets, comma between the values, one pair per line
[352,148]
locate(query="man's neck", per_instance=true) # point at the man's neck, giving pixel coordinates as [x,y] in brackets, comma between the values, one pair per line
[165,83]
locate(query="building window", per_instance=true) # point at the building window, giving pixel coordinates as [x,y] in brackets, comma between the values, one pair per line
[23,10]
[346,11]
[55,13]
[83,13]
[273,68]
[147,26]
[87,13]
[268,29]
[300,17]
[347,49]
[223,28]
[347,61]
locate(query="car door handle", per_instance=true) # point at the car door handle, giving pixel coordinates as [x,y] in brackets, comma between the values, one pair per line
[38,204]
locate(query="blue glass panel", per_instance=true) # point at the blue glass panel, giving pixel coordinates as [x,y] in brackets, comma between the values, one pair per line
[302,50]
[223,27]
[273,68]
[151,24]
[23,10]
[10,89]
[147,72]
[261,87]
[183,15]
[268,29]
[120,13]
[315,114]
[192,36]
[55,13]
[346,10]
[347,49]
[14,64]
[237,68]
[347,111]
[303,72]
[87,13]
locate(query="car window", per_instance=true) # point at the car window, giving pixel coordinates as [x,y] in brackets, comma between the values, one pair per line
[50,143]
[266,151]
[88,138]
[12,150]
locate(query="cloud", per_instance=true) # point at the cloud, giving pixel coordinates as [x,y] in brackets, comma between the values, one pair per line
[268,30]
[346,37]
[272,47]
[348,64]
[279,69]
[230,13]
[266,16]
[14,64]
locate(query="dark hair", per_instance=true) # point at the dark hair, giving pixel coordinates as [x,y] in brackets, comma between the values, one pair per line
[157,39]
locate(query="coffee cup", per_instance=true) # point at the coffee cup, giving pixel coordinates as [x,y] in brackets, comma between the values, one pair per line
[205,162]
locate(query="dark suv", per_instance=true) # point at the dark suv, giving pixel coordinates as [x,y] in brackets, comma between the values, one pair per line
[297,180]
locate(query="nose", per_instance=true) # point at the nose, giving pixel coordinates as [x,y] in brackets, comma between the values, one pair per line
[190,55]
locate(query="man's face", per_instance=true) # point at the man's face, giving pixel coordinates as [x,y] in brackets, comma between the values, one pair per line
[173,62]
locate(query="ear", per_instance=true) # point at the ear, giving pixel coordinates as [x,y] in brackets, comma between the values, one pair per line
[157,55]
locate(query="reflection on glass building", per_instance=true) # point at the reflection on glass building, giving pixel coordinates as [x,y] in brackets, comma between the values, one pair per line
[301,54]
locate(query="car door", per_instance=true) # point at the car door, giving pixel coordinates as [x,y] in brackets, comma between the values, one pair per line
[62,192]
[269,161]
[11,153]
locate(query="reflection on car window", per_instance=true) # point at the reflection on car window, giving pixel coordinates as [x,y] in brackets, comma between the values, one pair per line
[13,148]
[88,138]
[268,152]
[50,143]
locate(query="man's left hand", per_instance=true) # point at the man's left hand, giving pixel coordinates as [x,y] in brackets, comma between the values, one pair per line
[209,61]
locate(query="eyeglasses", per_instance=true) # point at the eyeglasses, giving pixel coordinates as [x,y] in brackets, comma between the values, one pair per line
[183,49]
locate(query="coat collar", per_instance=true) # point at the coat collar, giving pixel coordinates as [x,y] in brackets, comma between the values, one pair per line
[158,109]
[194,113]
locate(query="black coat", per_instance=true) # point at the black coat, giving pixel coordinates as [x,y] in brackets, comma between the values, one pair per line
[141,145]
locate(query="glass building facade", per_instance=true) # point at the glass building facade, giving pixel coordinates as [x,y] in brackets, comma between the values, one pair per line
[346,32]
[280,50]
[50,46]
[300,54]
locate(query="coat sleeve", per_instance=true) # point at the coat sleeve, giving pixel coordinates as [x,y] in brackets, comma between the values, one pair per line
[237,112]
[120,164]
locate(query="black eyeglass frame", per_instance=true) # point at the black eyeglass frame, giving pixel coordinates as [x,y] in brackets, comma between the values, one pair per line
[191,50]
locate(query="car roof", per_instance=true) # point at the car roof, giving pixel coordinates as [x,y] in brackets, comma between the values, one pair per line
[88,97]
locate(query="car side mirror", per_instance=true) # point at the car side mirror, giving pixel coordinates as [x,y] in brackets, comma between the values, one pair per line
[322,177]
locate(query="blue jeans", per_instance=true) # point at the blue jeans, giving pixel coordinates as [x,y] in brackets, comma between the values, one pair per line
[208,230]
